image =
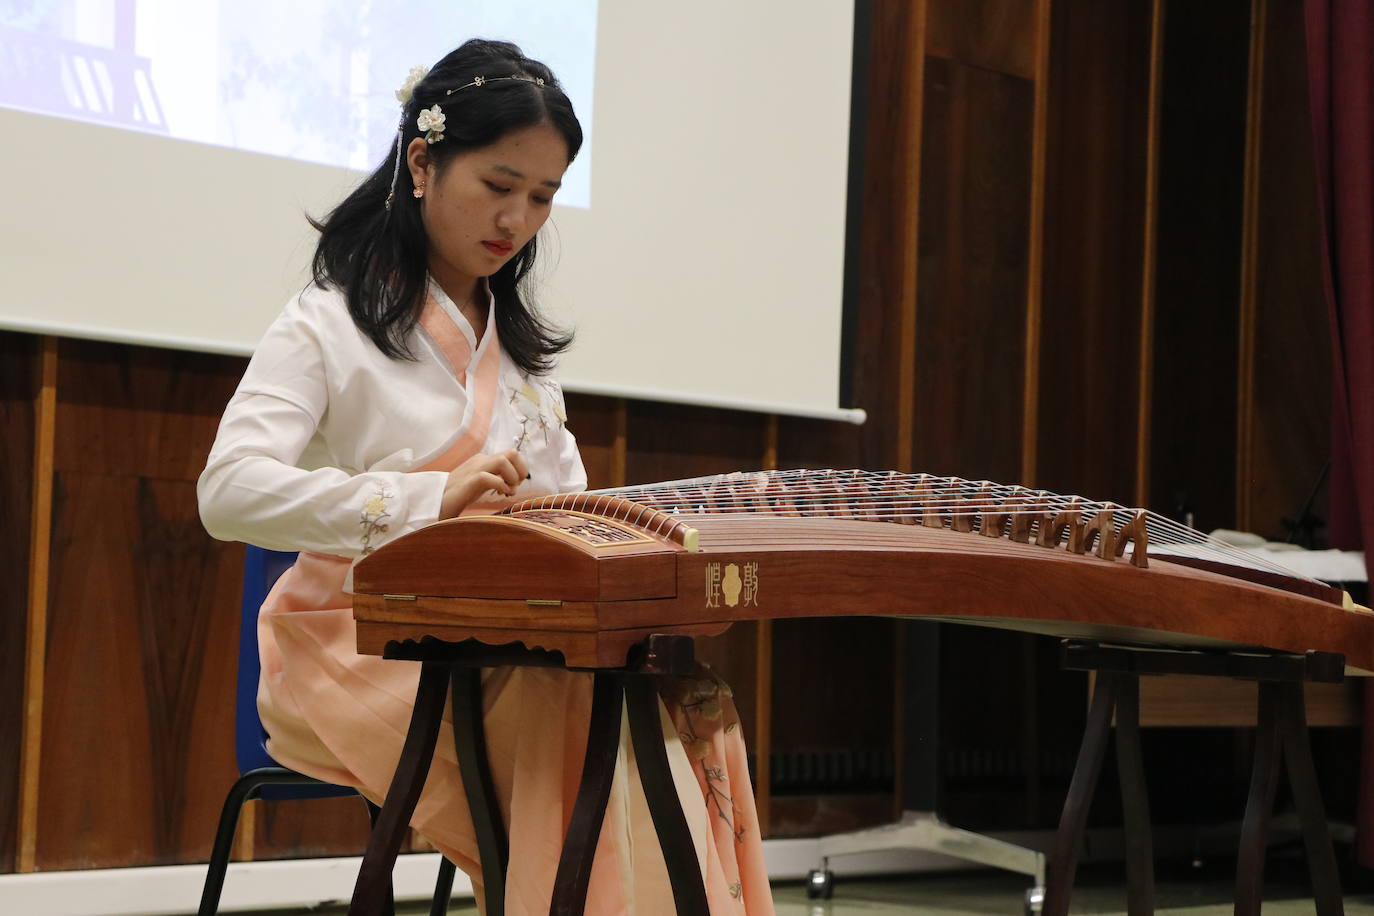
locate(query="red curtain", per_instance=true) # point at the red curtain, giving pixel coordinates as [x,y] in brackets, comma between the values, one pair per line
[1340,67]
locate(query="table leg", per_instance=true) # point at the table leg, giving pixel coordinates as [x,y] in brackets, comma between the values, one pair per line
[470,744]
[1063,863]
[374,877]
[1135,801]
[598,766]
[1302,775]
[679,852]
[1254,831]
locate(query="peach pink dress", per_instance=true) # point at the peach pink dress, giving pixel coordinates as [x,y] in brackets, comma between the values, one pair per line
[284,474]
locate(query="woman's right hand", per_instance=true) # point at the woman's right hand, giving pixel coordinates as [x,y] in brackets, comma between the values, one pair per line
[502,472]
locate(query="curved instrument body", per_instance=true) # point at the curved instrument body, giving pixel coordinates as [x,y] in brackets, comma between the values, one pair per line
[589,575]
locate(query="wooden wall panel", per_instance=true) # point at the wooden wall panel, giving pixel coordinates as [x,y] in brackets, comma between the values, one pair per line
[18,368]
[1095,222]
[593,421]
[672,441]
[804,443]
[1290,401]
[996,35]
[971,326]
[1202,133]
[818,702]
[143,614]
[881,374]
[138,705]
[832,689]
[139,411]
[312,827]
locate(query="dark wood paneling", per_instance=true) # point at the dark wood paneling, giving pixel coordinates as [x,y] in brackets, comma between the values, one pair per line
[143,624]
[304,828]
[994,35]
[143,613]
[140,411]
[1202,134]
[1290,437]
[1095,217]
[891,151]
[592,421]
[138,698]
[672,441]
[832,684]
[804,443]
[971,319]
[18,359]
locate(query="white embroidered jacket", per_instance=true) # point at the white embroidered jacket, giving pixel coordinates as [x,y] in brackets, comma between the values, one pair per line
[321,445]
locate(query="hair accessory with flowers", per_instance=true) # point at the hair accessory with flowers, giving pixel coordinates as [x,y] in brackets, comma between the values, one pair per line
[431,121]
[407,90]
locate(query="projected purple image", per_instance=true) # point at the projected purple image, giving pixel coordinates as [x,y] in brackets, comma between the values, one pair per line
[311,80]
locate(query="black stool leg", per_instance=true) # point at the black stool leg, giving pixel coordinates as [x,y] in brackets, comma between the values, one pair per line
[242,790]
[598,767]
[1302,775]
[470,743]
[679,852]
[245,789]
[1264,780]
[374,877]
[1135,801]
[1063,863]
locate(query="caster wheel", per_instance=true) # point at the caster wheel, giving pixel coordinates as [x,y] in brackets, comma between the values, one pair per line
[820,884]
[1035,900]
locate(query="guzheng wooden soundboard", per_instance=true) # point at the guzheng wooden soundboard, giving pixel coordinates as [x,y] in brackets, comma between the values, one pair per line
[590,575]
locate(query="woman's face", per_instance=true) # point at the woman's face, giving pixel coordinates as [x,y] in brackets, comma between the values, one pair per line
[487,203]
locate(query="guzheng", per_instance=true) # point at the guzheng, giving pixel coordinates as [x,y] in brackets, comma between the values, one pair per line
[591,574]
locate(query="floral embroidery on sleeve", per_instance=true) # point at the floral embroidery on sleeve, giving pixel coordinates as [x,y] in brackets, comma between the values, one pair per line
[529,403]
[373,517]
[555,392]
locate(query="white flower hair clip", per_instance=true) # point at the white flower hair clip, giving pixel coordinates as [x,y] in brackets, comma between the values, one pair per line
[403,95]
[431,121]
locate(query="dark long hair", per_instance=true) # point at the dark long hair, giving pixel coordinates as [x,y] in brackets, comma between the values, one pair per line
[378,256]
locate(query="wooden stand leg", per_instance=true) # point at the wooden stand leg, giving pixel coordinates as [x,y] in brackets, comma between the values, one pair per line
[374,877]
[1302,775]
[1264,779]
[679,852]
[1063,863]
[470,743]
[1135,802]
[598,766]
[389,907]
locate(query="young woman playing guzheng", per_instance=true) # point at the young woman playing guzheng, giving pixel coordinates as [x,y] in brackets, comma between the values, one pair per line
[409,383]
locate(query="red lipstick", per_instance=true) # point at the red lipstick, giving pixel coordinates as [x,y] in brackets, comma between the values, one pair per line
[498,248]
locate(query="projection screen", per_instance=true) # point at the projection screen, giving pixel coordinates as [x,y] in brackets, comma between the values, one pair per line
[697,248]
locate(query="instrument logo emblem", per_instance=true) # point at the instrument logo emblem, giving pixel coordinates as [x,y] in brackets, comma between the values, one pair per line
[738,586]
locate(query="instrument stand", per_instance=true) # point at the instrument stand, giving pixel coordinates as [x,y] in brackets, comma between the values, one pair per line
[921,827]
[1282,729]
[457,666]
[924,830]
